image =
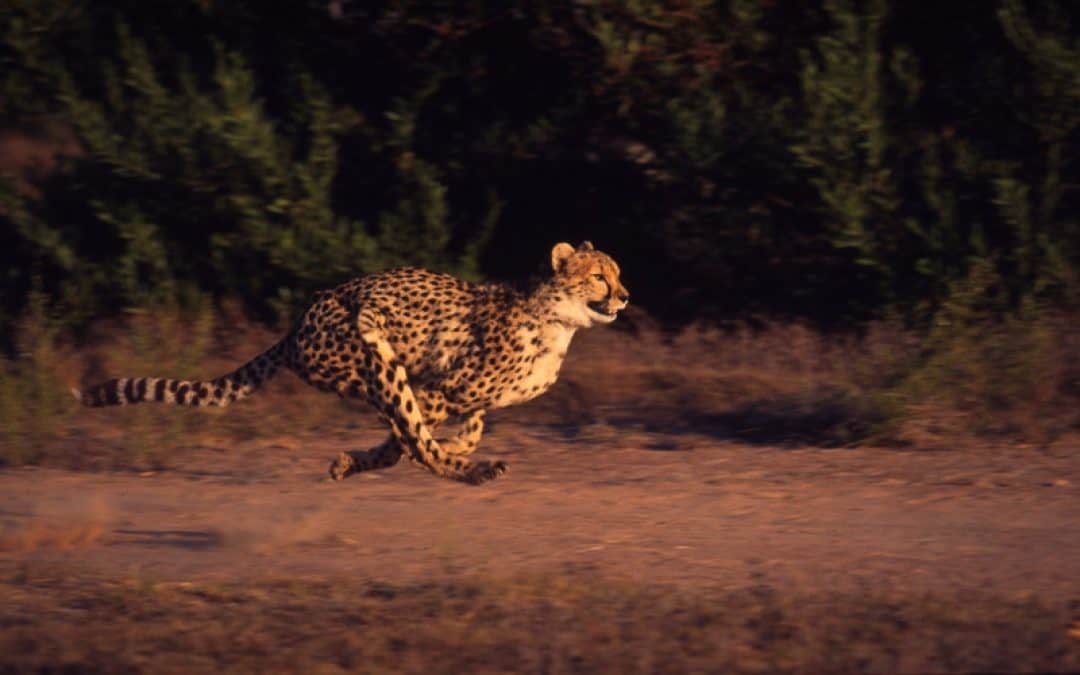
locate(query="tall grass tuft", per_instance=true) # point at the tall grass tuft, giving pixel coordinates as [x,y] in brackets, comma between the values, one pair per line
[34,402]
[165,341]
[996,369]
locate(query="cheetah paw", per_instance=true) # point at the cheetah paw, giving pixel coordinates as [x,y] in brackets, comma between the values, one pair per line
[483,471]
[342,466]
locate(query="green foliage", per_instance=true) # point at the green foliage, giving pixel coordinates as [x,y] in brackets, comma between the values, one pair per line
[256,216]
[835,159]
[846,139]
[1053,50]
[855,88]
[189,184]
[916,214]
[1034,200]
[26,58]
[414,230]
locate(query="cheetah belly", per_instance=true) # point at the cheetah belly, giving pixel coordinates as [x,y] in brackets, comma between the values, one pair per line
[543,371]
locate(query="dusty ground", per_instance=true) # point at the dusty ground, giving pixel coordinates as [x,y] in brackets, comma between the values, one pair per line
[689,518]
[683,510]
[632,534]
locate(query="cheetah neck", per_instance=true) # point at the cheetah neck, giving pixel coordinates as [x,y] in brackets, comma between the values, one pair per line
[545,335]
[553,308]
[551,323]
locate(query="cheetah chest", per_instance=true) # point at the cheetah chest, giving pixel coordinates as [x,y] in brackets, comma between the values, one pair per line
[543,359]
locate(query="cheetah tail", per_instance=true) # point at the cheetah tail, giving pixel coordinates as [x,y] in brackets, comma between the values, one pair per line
[220,391]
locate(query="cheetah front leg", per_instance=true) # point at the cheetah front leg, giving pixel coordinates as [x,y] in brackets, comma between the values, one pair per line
[387,387]
[386,454]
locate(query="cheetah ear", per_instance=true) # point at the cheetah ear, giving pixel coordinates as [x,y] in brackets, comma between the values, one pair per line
[585,246]
[559,255]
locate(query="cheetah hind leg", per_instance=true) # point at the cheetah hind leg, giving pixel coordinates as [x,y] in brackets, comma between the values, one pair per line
[386,454]
[467,438]
[387,388]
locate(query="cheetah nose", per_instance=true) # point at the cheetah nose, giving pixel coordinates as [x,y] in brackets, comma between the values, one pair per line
[623,296]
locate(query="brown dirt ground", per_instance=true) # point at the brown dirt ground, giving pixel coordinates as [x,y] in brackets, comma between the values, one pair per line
[689,510]
[608,547]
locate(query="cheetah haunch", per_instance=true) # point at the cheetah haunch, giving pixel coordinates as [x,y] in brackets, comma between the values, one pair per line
[422,348]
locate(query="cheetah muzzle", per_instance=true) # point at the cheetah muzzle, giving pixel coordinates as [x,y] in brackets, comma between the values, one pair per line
[602,309]
[424,349]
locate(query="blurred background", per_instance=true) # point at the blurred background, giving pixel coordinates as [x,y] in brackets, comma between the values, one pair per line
[844,166]
[826,160]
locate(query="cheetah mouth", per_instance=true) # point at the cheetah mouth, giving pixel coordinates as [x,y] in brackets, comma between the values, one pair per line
[601,309]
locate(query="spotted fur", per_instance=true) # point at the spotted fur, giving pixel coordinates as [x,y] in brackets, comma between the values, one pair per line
[421,348]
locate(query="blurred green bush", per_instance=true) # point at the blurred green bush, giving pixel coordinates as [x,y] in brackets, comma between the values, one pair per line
[832,160]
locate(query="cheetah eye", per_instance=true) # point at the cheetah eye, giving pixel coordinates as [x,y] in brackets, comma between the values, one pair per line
[598,277]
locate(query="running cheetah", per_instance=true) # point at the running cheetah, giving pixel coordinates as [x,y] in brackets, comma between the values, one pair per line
[422,348]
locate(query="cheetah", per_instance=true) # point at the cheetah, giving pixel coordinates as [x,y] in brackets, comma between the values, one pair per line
[422,348]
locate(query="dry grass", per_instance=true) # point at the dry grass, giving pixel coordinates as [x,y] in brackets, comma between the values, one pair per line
[40,422]
[777,384]
[783,384]
[541,625]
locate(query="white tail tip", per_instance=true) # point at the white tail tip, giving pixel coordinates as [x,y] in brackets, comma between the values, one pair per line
[77,394]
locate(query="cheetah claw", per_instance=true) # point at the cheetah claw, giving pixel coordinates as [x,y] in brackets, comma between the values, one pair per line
[481,472]
[342,466]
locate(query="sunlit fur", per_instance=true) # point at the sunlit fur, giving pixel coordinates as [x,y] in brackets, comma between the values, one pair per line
[590,280]
[422,348]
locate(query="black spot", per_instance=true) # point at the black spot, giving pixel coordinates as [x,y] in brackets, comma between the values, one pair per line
[173,384]
[129,390]
[140,389]
[181,393]
[112,395]
[159,390]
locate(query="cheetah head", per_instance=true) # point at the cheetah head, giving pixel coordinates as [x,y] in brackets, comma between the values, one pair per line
[589,280]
